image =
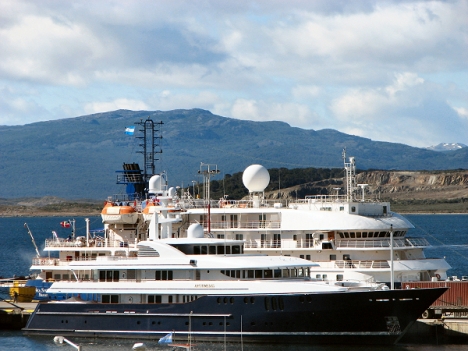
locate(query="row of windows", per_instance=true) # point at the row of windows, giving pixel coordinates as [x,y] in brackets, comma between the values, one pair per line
[217,250]
[267,273]
[359,235]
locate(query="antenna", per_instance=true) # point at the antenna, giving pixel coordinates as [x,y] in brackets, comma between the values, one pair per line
[151,145]
[33,241]
[350,169]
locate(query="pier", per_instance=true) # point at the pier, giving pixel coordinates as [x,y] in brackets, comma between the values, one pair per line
[15,315]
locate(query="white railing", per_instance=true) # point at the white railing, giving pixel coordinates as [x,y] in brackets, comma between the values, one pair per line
[91,243]
[285,244]
[243,225]
[397,243]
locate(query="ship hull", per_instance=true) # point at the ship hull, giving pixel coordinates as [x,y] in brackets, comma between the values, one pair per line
[375,317]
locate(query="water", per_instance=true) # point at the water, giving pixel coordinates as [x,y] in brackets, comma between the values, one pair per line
[447,233]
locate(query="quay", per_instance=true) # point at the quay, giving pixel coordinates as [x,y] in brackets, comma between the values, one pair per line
[15,315]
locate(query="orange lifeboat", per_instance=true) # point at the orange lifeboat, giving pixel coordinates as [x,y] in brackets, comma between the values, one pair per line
[119,213]
[149,209]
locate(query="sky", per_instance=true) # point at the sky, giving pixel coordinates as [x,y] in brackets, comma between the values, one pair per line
[393,70]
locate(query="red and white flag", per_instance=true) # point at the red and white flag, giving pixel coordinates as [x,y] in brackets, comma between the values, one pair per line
[65,224]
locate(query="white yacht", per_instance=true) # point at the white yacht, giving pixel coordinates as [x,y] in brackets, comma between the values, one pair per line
[201,288]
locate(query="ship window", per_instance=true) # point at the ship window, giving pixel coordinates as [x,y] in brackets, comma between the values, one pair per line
[236,250]
[301,256]
[308,257]
[277,273]
[163,275]
[212,250]
[352,235]
[220,250]
[239,236]
[339,277]
[327,246]
[364,235]
[268,274]
[196,250]
[285,273]
[295,237]
[250,274]
[65,277]
[332,257]
[318,276]
[258,273]
[228,250]
[204,250]
[220,236]
[353,209]
[267,303]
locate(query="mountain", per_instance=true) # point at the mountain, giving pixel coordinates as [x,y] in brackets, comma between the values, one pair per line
[446,146]
[76,158]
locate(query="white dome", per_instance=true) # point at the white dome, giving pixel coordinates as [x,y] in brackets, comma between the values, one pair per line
[256,178]
[155,184]
[195,230]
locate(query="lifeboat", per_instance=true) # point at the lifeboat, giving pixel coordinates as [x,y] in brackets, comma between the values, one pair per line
[149,209]
[118,213]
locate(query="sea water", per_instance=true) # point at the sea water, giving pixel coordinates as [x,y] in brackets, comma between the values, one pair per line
[448,235]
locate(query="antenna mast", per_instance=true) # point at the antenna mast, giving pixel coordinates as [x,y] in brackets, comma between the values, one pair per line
[151,145]
[350,169]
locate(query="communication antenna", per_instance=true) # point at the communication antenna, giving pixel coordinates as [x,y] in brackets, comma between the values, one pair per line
[150,144]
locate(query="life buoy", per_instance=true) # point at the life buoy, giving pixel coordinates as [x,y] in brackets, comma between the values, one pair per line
[438,276]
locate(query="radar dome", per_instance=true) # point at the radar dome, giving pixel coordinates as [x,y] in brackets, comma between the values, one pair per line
[256,178]
[155,184]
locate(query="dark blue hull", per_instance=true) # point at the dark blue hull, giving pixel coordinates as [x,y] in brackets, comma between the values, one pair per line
[357,317]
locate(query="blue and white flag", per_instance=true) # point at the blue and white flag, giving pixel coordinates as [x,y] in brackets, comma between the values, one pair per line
[130,130]
[166,339]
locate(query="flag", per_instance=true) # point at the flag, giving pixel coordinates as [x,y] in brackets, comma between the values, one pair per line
[65,224]
[130,130]
[166,339]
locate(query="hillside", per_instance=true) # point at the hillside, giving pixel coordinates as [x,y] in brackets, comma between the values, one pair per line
[417,191]
[441,192]
[76,158]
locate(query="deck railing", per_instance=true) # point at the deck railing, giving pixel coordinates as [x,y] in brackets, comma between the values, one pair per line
[57,243]
[385,243]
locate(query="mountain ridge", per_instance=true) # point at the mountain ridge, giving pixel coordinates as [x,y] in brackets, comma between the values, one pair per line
[77,157]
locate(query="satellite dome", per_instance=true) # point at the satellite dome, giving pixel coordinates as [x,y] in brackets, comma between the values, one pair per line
[155,184]
[256,178]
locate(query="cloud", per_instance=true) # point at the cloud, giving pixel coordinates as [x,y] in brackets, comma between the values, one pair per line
[363,67]
[409,110]
[124,104]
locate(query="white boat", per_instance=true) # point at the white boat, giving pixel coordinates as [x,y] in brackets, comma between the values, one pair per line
[209,289]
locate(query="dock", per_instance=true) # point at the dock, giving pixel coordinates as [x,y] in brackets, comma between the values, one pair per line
[15,315]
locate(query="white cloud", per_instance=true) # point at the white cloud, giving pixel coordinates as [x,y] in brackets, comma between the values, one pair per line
[295,114]
[462,112]
[118,104]
[313,64]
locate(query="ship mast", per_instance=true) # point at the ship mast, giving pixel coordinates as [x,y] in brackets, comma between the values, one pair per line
[350,169]
[207,171]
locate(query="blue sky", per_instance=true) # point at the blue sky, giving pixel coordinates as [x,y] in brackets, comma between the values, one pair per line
[392,71]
